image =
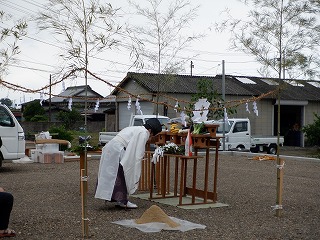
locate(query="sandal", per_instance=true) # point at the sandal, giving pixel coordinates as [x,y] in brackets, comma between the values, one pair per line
[7,233]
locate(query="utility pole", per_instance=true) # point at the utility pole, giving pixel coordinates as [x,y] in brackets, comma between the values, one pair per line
[191,66]
[284,65]
[223,98]
[50,99]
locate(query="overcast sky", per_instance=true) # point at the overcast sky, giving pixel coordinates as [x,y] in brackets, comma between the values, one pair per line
[38,58]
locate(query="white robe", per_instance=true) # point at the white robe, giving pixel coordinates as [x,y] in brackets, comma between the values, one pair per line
[133,139]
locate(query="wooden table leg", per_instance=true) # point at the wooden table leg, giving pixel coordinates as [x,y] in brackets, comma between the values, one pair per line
[151,180]
[164,176]
[215,197]
[149,184]
[206,173]
[175,189]
[168,175]
[194,180]
[142,176]
[181,180]
[185,175]
[158,173]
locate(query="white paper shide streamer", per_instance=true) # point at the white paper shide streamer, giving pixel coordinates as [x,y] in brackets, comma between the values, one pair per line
[70,104]
[129,103]
[41,97]
[247,108]
[176,106]
[255,108]
[97,105]
[226,119]
[201,110]
[138,107]
[183,118]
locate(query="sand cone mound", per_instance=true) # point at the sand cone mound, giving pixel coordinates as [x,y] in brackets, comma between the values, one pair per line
[156,214]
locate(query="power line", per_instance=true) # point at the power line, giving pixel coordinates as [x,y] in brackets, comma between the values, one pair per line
[29,68]
[128,46]
[121,44]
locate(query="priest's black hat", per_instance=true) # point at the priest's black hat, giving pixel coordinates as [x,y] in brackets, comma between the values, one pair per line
[154,125]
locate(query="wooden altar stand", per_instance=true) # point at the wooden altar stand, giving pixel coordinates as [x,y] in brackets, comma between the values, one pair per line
[165,181]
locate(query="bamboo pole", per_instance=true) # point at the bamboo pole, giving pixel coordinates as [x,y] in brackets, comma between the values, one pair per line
[278,206]
[84,203]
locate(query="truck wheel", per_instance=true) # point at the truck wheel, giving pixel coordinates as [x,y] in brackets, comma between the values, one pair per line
[272,149]
[240,148]
[254,150]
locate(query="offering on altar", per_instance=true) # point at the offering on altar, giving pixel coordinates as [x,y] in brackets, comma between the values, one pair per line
[199,128]
[168,148]
[175,127]
[172,148]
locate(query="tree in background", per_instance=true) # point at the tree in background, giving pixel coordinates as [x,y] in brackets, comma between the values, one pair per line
[9,37]
[6,101]
[60,132]
[34,112]
[160,37]
[85,28]
[205,90]
[282,36]
[69,118]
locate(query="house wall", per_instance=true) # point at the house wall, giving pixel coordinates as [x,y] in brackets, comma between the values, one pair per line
[132,87]
[184,100]
[146,104]
[310,109]
[261,124]
[110,123]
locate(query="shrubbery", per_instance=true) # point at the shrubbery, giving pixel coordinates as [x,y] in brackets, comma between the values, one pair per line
[69,118]
[34,112]
[61,133]
[312,132]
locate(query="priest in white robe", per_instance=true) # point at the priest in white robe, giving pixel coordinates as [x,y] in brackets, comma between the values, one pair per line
[120,163]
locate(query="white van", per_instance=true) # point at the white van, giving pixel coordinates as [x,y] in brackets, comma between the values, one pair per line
[12,142]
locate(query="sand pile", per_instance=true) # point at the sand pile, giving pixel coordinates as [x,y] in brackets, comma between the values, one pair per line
[156,214]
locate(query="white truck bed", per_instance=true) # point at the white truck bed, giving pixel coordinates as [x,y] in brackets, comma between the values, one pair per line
[266,139]
[105,137]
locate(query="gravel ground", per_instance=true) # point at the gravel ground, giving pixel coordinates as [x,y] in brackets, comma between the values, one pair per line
[48,203]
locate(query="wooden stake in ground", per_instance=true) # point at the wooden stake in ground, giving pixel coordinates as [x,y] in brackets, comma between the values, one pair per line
[278,207]
[84,188]
[84,204]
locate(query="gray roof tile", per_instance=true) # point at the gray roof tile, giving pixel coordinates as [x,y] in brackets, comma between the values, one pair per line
[186,84]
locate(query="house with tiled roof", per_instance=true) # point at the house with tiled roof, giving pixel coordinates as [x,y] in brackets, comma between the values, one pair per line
[78,96]
[299,99]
